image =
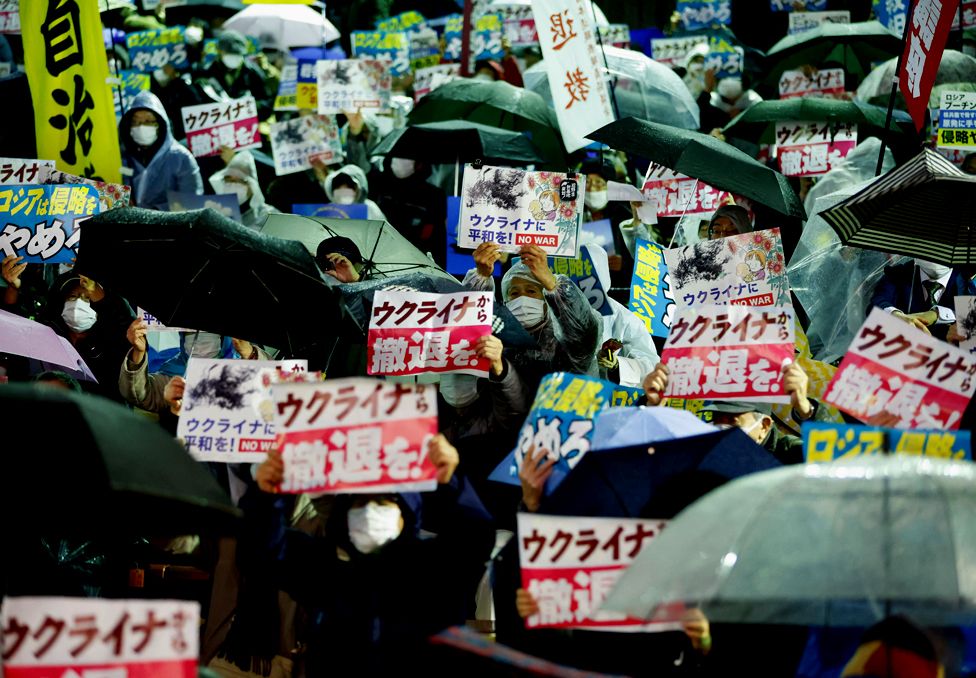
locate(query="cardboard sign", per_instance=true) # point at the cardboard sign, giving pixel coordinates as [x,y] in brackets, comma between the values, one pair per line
[356,435]
[893,371]
[677,194]
[297,142]
[352,84]
[747,269]
[331,210]
[699,14]
[225,124]
[419,333]
[225,203]
[729,353]
[228,414]
[570,565]
[957,121]
[824,442]
[801,22]
[383,45]
[651,296]
[15,171]
[582,273]
[42,223]
[673,51]
[825,83]
[810,149]
[513,208]
[149,50]
[99,638]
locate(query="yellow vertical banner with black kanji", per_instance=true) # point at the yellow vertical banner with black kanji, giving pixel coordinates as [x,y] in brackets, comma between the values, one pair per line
[74,116]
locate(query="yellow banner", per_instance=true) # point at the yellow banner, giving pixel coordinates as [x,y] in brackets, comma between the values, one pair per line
[74,114]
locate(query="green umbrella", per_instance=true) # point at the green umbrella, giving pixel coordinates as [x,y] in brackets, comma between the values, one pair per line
[452,140]
[855,47]
[705,158]
[758,121]
[496,104]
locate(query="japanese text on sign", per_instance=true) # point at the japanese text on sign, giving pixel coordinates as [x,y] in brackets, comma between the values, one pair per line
[698,14]
[582,272]
[42,223]
[393,47]
[9,16]
[651,297]
[426,80]
[351,84]
[806,149]
[151,50]
[298,142]
[791,5]
[356,435]
[676,194]
[674,51]
[931,22]
[826,82]
[232,124]
[24,171]
[801,22]
[417,332]
[893,369]
[957,121]
[823,442]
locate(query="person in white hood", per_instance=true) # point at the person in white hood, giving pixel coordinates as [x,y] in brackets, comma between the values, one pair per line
[732,98]
[240,177]
[347,186]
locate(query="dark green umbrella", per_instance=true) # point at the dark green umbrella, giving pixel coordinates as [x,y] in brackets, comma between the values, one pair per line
[81,464]
[496,104]
[452,140]
[705,158]
[854,47]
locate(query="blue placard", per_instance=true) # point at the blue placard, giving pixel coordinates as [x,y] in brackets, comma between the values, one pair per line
[384,45]
[224,203]
[459,261]
[726,64]
[332,210]
[582,272]
[808,5]
[149,50]
[698,14]
[39,221]
[823,442]
[651,297]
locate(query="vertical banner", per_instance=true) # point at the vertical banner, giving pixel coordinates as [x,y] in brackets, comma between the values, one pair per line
[74,116]
[927,35]
[575,67]
[651,297]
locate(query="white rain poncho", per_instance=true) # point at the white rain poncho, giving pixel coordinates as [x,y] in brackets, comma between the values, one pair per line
[242,167]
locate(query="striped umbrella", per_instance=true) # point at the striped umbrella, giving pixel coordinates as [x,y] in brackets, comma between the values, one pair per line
[925,208]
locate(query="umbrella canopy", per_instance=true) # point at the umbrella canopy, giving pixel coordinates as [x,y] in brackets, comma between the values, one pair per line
[104,469]
[24,337]
[181,11]
[854,47]
[448,141]
[888,213]
[283,26]
[656,482]
[643,88]
[496,104]
[201,270]
[627,426]
[705,158]
[840,544]
[957,72]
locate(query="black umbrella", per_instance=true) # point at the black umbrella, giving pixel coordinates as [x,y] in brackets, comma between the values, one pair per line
[705,158]
[103,470]
[179,12]
[201,270]
[453,140]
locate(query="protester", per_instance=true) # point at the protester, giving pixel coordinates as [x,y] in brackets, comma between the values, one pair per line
[300,188]
[348,186]
[729,220]
[240,177]
[922,293]
[175,92]
[237,77]
[414,206]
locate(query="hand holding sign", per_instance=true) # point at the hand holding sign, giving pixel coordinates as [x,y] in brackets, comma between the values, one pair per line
[136,334]
[12,270]
[444,457]
[491,348]
[533,474]
[485,257]
[655,384]
[271,472]
[538,263]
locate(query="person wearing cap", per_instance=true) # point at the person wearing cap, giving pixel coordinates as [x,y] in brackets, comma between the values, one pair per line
[238,78]
[240,177]
[729,220]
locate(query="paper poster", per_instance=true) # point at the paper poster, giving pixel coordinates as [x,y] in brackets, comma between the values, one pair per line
[957,121]
[968,14]
[965,308]
[693,406]
[486,38]
[9,16]
[581,271]
[801,22]
[651,296]
[825,83]
[514,208]
[699,14]
[149,50]
[15,171]
[519,24]
[726,64]
[894,374]
[231,124]
[155,325]
[729,353]
[747,269]
[459,261]
[891,13]
[426,80]
[405,21]
[228,414]
[298,142]
[824,442]
[306,88]
[352,84]
[287,97]
[110,196]
[356,435]
[615,35]
[131,83]
[425,48]
[809,149]
[383,45]
[225,204]
[42,223]
[797,5]
[571,563]
[331,210]
[99,638]
[673,51]
[676,194]
[422,333]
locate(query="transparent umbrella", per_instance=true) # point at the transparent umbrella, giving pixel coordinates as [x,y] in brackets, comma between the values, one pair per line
[957,72]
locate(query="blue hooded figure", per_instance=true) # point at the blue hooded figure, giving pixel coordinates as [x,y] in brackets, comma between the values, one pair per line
[155,162]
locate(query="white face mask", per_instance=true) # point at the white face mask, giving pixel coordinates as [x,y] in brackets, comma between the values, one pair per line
[373,526]
[484,77]
[402,167]
[242,192]
[144,135]
[459,390]
[730,89]
[696,68]
[78,315]
[647,213]
[161,77]
[932,270]
[232,61]
[344,196]
[194,34]
[202,345]
[530,312]
[596,200]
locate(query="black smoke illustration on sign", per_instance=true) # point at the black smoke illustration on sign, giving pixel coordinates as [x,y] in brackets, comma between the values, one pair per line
[967,324]
[704,265]
[227,389]
[499,188]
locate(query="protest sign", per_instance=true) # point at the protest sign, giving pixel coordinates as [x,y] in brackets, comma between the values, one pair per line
[924,45]
[518,22]
[9,16]
[453,32]
[155,325]
[651,296]
[306,88]
[486,38]
[748,269]
[615,35]
[99,637]
[459,260]
[298,142]
[356,435]
[968,14]
[23,170]
[224,124]
[580,270]
[825,83]
[570,564]
[626,396]
[576,75]
[110,196]
[698,14]
[894,371]
[810,149]
[673,51]
[825,441]
[425,48]
[965,308]
[410,20]
[599,233]
[149,50]
[419,333]
[333,210]
[891,13]
[225,204]
[726,64]
[513,208]
[352,84]
[957,121]
[676,194]
[42,223]
[227,414]
[729,353]
[794,5]
[801,22]
[693,406]
[382,45]
[426,80]
[287,97]
[130,84]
